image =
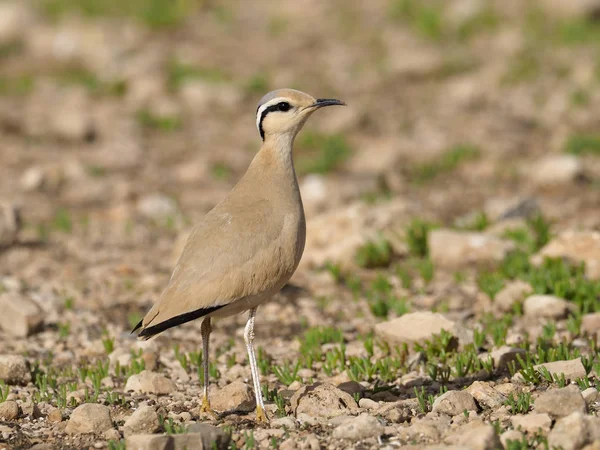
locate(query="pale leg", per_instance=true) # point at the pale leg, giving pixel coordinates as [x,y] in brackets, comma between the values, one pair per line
[205,330]
[249,338]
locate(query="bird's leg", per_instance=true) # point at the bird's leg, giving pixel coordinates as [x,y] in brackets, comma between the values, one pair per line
[249,338]
[205,330]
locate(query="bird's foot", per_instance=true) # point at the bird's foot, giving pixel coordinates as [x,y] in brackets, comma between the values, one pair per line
[205,407]
[261,415]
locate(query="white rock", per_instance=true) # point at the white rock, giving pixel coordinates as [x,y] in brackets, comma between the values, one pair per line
[514,291]
[455,249]
[571,369]
[556,170]
[150,383]
[89,418]
[574,431]
[578,246]
[591,395]
[20,316]
[14,370]
[486,395]
[560,402]
[359,428]
[322,400]
[546,306]
[419,327]
[532,423]
[157,206]
[235,396]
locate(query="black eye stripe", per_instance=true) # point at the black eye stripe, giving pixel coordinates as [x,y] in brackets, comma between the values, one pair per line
[281,106]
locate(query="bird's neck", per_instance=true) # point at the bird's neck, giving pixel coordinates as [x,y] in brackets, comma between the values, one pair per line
[276,154]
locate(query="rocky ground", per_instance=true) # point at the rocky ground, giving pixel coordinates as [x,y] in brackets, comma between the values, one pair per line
[449,295]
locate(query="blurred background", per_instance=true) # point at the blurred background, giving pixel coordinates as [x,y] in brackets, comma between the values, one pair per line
[123,122]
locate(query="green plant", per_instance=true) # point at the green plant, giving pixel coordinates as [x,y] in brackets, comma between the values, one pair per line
[583,144]
[286,373]
[4,391]
[417,237]
[321,153]
[172,427]
[376,253]
[521,404]
[448,161]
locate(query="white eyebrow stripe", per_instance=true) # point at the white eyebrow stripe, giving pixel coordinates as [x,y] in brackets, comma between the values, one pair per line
[265,106]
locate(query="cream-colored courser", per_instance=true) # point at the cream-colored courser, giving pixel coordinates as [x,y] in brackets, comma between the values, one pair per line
[249,245]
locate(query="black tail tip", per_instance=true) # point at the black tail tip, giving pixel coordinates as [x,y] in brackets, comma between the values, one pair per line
[137,327]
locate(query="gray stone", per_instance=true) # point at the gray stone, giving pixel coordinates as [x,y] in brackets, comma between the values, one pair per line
[590,323]
[89,418]
[454,402]
[513,292]
[591,395]
[187,441]
[532,423]
[570,432]
[367,403]
[560,402]
[20,316]
[236,396]
[455,249]
[9,410]
[143,420]
[212,437]
[149,442]
[322,400]
[505,355]
[14,370]
[150,383]
[571,369]
[420,326]
[546,306]
[359,428]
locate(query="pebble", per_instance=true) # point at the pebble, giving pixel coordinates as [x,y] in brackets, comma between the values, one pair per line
[482,437]
[486,395]
[560,402]
[14,370]
[322,400]
[578,246]
[571,369]
[591,395]
[546,306]
[532,423]
[236,396]
[419,327]
[9,410]
[157,206]
[454,249]
[367,403]
[454,402]
[150,383]
[20,316]
[89,418]
[143,420]
[362,427]
[212,437]
[511,436]
[505,355]
[513,292]
[149,442]
[590,323]
[284,422]
[556,170]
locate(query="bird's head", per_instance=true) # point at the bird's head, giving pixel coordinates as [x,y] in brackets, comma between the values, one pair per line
[282,113]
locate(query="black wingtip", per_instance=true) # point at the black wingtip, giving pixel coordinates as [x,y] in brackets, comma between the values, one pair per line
[137,327]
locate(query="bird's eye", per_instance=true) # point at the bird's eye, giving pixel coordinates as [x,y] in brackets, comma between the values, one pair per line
[283,106]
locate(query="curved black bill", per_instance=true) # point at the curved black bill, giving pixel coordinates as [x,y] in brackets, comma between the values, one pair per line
[327,102]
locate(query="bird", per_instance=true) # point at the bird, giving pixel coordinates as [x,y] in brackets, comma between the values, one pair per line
[248,246]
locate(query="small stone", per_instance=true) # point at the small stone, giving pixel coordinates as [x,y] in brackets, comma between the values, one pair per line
[418,327]
[570,432]
[546,306]
[505,355]
[9,410]
[89,418]
[212,437]
[187,441]
[532,423]
[359,428]
[143,420]
[513,292]
[149,383]
[55,415]
[591,395]
[556,170]
[351,387]
[509,436]
[20,316]
[367,403]
[149,442]
[236,396]
[111,435]
[486,395]
[560,402]
[32,179]
[454,249]
[590,323]
[577,246]
[571,369]
[14,370]
[482,437]
[454,402]
[157,207]
[284,422]
[322,400]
